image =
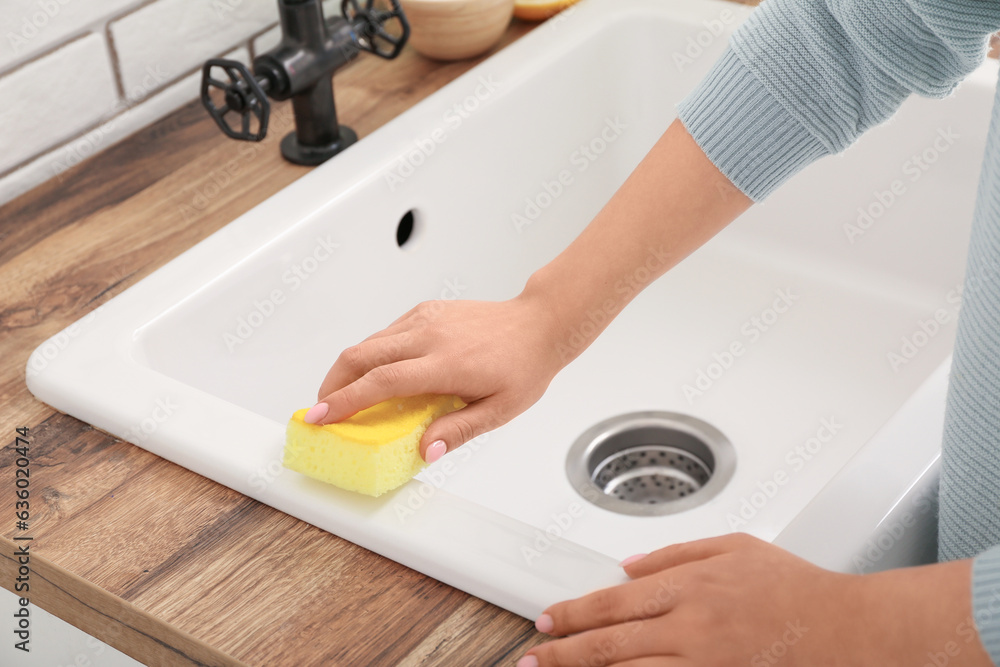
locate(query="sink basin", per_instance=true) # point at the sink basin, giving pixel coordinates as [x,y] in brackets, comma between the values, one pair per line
[814,334]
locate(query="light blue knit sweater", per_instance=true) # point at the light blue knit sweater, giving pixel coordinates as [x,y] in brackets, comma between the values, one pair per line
[803,79]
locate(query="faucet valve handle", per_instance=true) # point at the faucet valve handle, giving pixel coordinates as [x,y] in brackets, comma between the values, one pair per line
[368,27]
[243,94]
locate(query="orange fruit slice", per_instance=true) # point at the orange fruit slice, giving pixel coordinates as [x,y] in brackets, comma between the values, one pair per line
[539,10]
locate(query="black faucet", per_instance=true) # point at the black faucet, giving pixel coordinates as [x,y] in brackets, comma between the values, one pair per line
[301,67]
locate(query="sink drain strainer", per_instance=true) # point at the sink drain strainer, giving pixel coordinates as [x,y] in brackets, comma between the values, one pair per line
[650,463]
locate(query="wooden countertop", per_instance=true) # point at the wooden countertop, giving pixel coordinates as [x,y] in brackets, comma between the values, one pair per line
[161,563]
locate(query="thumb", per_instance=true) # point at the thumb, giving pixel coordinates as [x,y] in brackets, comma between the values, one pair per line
[457,428]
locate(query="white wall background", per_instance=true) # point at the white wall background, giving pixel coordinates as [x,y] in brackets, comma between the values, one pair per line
[76,76]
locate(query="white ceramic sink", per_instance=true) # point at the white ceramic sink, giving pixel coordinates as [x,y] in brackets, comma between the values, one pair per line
[204,361]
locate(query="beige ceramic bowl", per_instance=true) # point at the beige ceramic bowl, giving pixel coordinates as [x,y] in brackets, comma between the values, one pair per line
[456,29]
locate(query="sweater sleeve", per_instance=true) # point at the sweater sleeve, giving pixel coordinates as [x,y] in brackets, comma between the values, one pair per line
[802,79]
[986,600]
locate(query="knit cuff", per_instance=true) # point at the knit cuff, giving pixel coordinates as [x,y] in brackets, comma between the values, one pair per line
[744,131]
[986,600]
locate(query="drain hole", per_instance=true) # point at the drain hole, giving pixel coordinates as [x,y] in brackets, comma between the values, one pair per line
[404,230]
[650,463]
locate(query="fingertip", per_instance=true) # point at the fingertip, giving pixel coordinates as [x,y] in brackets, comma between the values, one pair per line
[632,559]
[316,413]
[545,624]
[435,451]
[347,402]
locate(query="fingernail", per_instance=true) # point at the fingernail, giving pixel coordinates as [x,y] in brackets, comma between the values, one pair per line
[436,450]
[316,413]
[632,559]
[545,624]
[528,661]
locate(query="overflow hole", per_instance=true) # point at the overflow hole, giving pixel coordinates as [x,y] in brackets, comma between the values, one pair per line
[405,229]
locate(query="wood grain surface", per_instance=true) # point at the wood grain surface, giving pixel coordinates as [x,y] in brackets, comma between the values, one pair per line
[161,563]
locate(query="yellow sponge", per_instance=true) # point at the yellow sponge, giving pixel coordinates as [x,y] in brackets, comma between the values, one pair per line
[371,452]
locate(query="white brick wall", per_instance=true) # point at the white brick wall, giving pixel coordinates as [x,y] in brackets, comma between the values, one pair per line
[84,74]
[31,26]
[182,34]
[115,128]
[57,96]
[268,40]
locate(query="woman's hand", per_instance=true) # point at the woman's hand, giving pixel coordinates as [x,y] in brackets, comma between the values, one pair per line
[736,600]
[498,357]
